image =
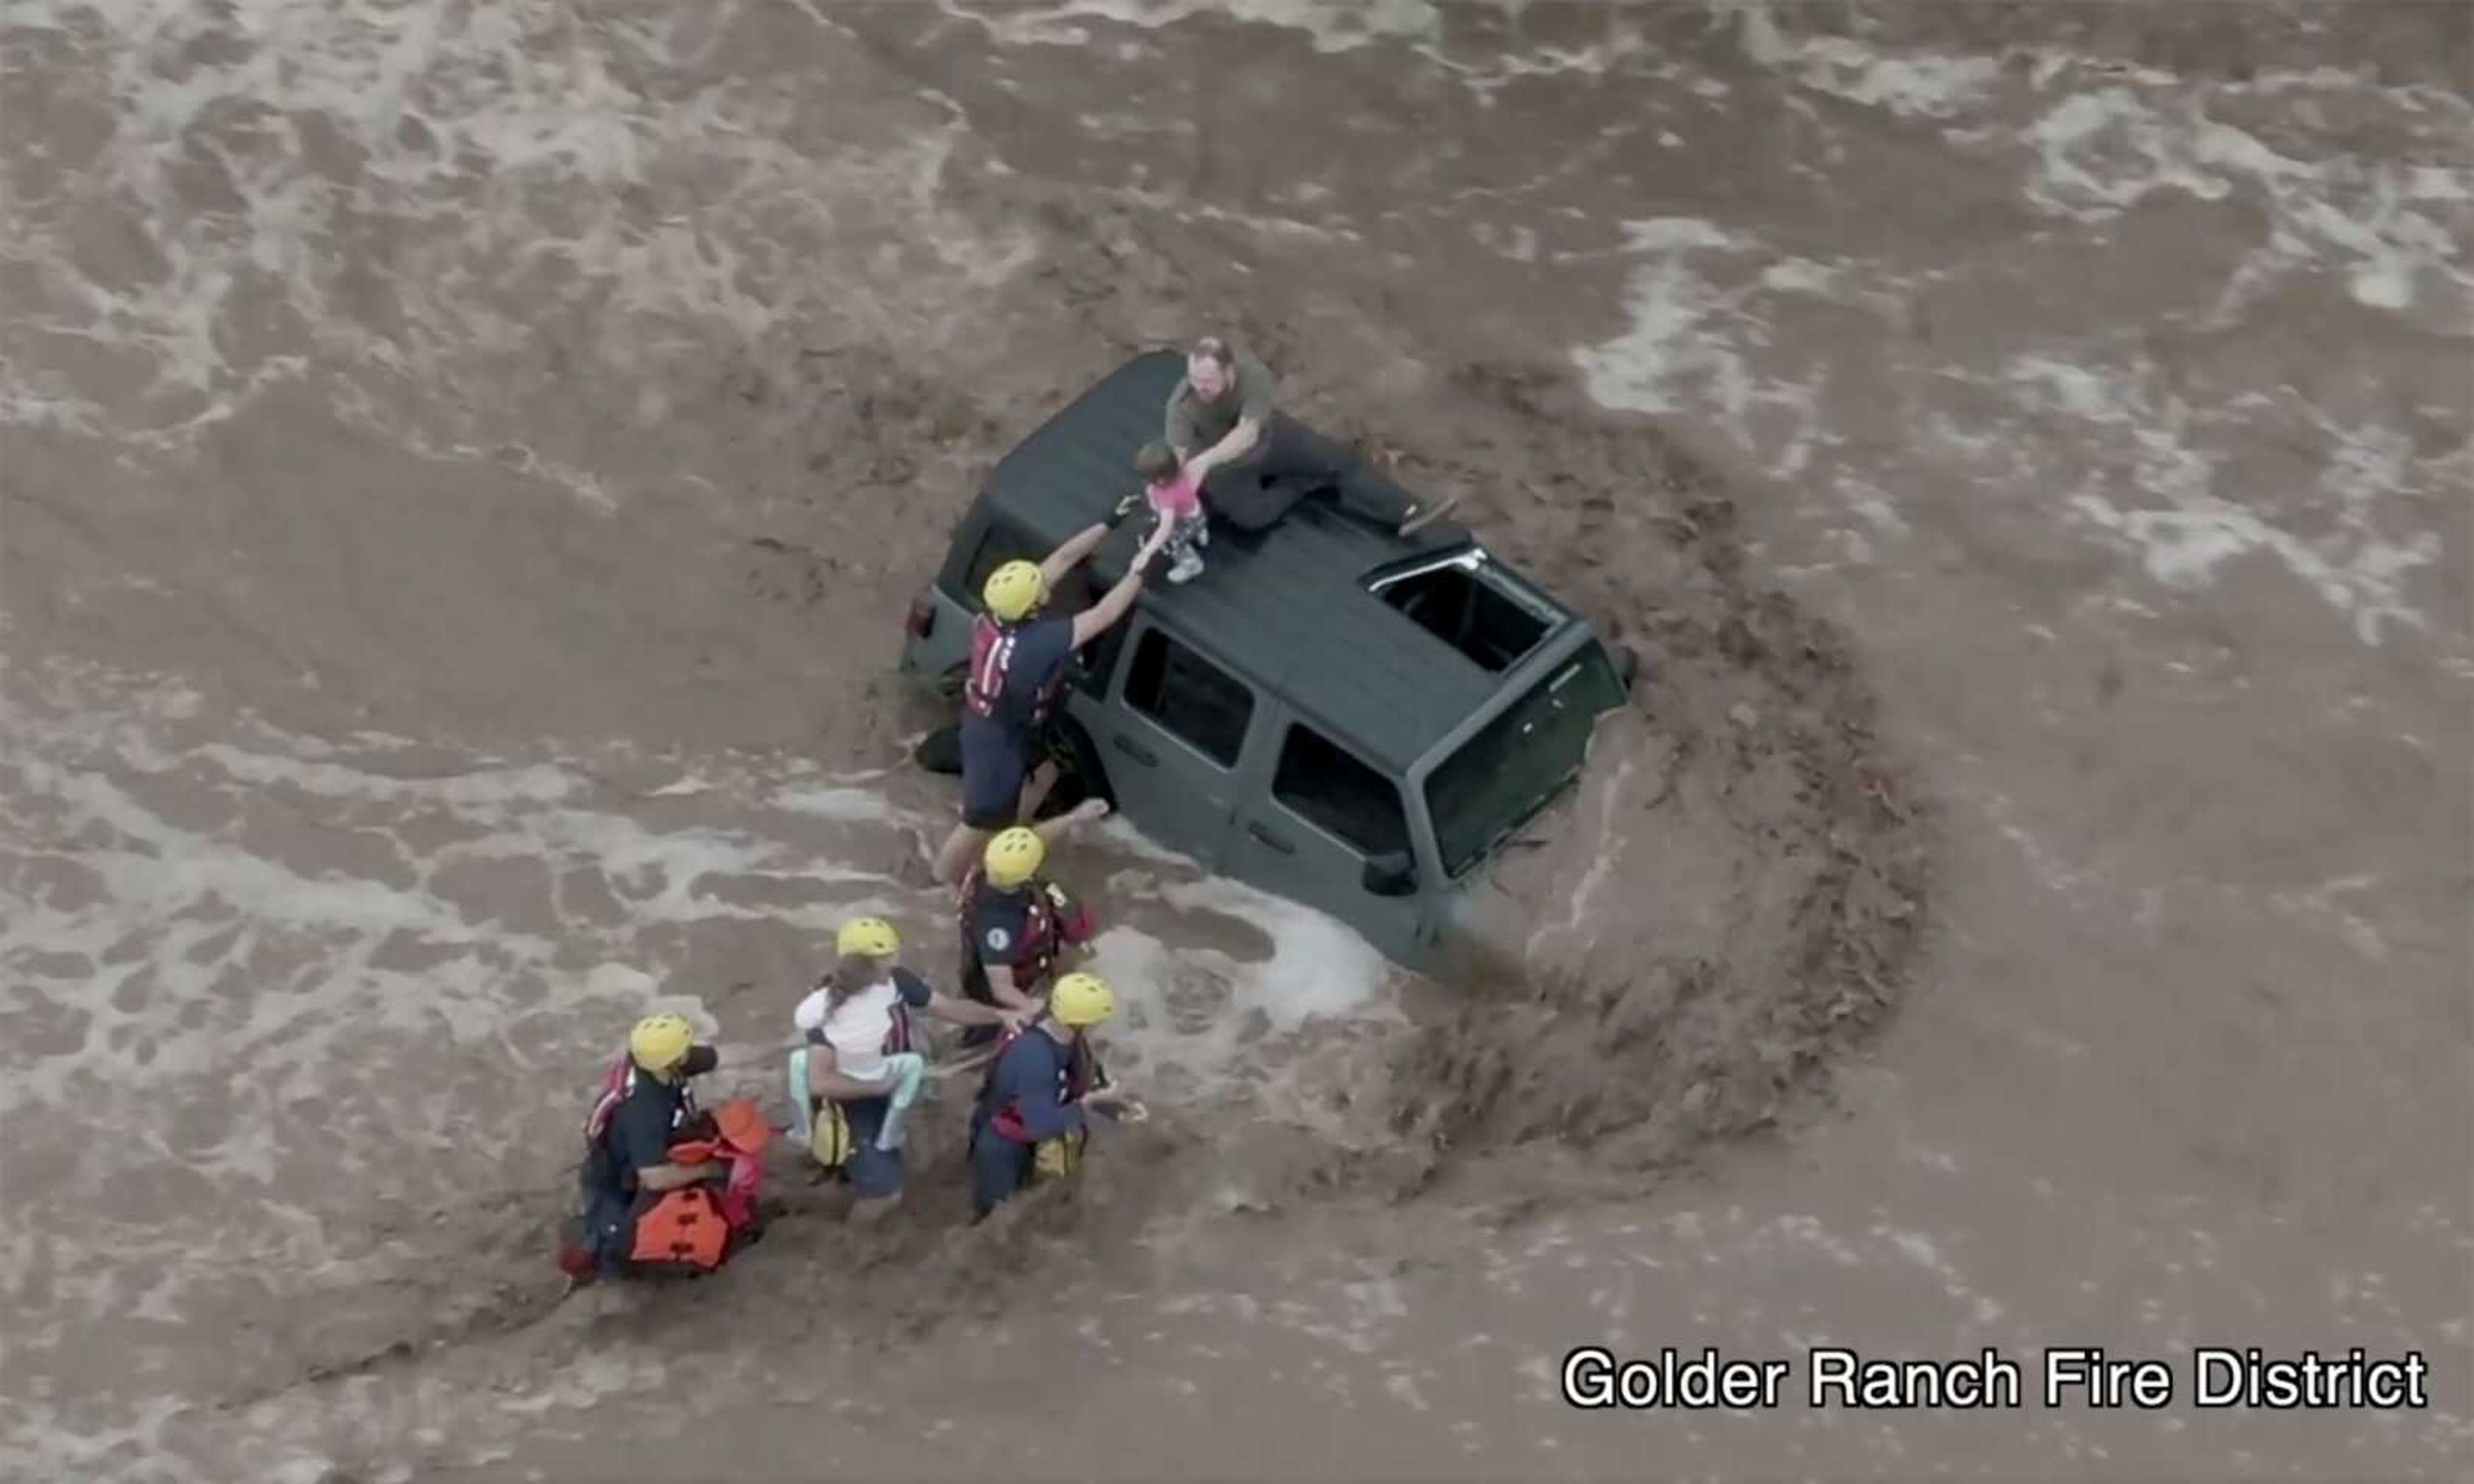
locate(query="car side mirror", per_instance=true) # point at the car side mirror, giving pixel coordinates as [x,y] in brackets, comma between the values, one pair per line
[1392,874]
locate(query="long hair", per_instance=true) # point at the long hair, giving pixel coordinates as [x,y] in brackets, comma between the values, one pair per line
[851,973]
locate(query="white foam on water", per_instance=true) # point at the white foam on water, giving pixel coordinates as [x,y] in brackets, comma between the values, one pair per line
[850,805]
[1125,840]
[1921,1250]
[1682,333]
[2115,136]
[485,788]
[688,787]
[1330,25]
[42,1443]
[1239,1026]
[1593,878]
[1249,1043]
[1319,966]
[2356,569]
[2049,868]
[1185,209]
[2383,224]
[2327,901]
[256,949]
[1707,337]
[208,924]
[1907,83]
[1691,345]
[481,140]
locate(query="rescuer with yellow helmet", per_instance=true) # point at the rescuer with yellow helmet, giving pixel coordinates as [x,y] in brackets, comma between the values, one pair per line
[859,1069]
[1029,1123]
[643,1107]
[1018,661]
[1018,927]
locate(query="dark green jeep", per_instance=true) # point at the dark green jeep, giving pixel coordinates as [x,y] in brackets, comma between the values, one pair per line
[1333,713]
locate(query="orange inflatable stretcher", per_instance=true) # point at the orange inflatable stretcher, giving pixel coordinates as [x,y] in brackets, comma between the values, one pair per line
[692,1226]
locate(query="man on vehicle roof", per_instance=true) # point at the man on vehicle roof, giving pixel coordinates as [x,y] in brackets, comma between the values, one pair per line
[1223,425]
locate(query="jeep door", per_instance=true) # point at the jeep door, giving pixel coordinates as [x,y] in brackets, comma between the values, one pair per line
[1311,818]
[1173,740]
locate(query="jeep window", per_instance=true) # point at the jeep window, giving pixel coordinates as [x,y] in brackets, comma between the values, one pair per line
[1469,610]
[1004,543]
[1332,789]
[999,545]
[1521,760]
[1193,698]
[1075,593]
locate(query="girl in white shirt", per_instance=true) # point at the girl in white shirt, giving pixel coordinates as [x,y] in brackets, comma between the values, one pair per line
[856,1027]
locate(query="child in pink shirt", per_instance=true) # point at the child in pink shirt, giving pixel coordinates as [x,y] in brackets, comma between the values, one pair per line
[1175,499]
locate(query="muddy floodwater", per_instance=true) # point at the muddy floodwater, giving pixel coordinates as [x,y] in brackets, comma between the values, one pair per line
[462,467]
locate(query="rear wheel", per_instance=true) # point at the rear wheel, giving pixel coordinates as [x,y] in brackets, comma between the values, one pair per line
[1079,774]
[940,751]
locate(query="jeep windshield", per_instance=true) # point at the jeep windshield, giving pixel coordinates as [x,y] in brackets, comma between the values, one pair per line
[1502,776]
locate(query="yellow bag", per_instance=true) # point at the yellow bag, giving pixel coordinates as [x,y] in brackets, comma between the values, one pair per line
[828,1136]
[1054,1158]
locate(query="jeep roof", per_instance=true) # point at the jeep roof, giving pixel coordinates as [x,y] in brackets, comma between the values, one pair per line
[1292,607]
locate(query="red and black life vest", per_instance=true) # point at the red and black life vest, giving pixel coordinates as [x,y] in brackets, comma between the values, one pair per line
[689,1229]
[1045,931]
[1073,1082]
[616,1085]
[992,653]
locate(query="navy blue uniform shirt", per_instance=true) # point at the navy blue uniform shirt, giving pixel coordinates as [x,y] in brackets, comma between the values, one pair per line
[1029,1077]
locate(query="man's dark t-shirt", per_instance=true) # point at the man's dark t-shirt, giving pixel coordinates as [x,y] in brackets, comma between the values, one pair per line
[1029,1077]
[1195,424]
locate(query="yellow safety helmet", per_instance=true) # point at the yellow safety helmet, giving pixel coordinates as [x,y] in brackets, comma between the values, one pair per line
[1014,591]
[867,938]
[1080,1000]
[658,1043]
[1013,857]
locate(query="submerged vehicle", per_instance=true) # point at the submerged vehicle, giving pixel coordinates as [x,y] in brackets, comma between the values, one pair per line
[1347,718]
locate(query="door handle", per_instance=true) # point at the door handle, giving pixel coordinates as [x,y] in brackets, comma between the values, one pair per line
[1271,839]
[1136,750]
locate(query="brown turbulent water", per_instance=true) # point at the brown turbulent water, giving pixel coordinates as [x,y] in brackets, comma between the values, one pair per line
[465,465]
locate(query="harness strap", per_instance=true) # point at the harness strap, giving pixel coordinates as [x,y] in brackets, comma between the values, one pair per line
[1040,926]
[1080,1073]
[617,1084]
[991,658]
[992,655]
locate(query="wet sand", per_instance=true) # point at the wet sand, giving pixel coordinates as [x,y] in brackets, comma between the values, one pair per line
[462,474]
